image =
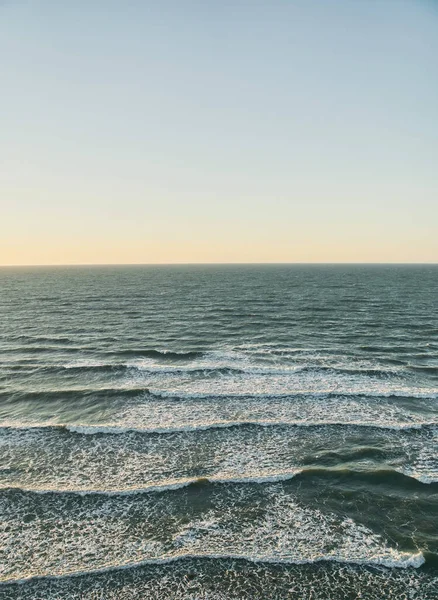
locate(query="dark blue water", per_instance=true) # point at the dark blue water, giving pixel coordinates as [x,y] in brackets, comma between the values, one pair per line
[238,432]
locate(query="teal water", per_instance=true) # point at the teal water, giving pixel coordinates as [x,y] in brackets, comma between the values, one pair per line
[221,432]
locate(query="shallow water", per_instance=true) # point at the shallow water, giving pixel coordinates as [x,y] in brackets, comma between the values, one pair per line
[219,432]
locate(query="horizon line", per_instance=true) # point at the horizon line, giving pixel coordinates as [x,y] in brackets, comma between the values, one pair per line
[182,264]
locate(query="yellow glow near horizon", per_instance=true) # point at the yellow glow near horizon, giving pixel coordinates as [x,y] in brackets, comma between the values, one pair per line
[300,250]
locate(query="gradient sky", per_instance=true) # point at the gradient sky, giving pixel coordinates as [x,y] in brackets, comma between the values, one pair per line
[218,131]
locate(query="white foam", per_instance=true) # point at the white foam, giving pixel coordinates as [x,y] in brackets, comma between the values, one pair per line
[167,414]
[82,457]
[284,391]
[292,372]
[168,485]
[86,363]
[267,526]
[404,561]
[116,429]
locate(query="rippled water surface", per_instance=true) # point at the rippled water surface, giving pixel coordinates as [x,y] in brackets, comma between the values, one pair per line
[238,432]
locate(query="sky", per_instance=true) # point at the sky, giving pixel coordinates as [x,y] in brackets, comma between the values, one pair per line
[218,131]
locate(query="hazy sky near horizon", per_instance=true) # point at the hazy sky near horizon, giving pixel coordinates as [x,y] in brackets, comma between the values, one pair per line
[218,131]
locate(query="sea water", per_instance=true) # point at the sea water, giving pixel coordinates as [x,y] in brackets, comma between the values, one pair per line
[220,432]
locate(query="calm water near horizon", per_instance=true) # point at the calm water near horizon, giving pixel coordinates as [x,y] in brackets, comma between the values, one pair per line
[239,432]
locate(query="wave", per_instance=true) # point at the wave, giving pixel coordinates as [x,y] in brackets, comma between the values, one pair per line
[405,560]
[425,368]
[396,349]
[329,393]
[426,478]
[60,394]
[369,372]
[107,393]
[169,485]
[168,370]
[43,349]
[90,366]
[386,476]
[110,429]
[222,361]
[91,429]
[215,360]
[160,354]
[43,339]
[227,369]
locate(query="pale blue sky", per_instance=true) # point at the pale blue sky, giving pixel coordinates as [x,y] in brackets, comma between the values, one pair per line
[218,131]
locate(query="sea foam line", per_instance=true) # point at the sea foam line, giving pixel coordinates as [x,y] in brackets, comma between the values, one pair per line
[168,486]
[177,395]
[431,394]
[406,560]
[219,368]
[90,430]
[262,478]
[110,429]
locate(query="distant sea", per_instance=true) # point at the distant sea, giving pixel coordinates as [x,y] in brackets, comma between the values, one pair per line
[221,432]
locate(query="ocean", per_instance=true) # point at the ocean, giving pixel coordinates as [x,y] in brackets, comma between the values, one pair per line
[221,432]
